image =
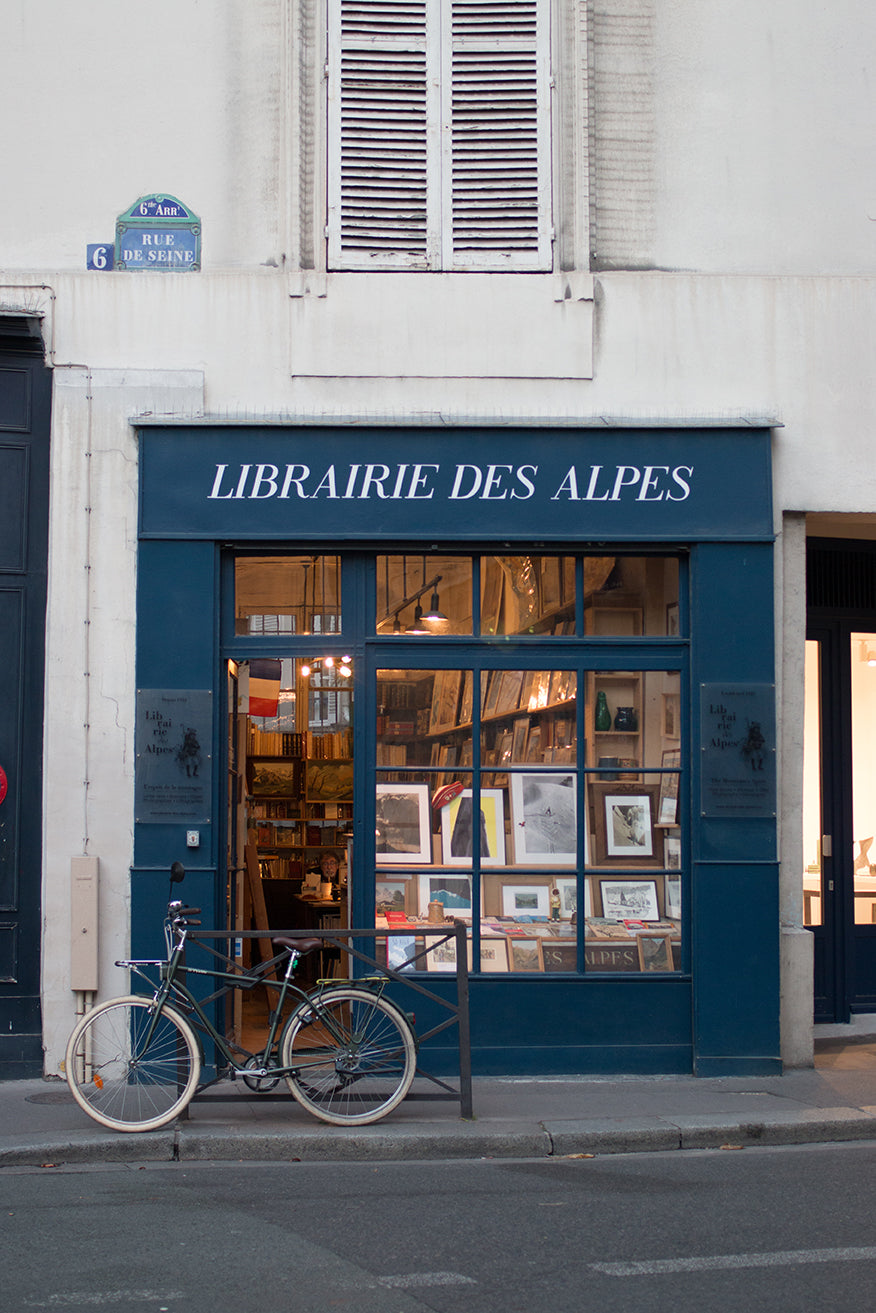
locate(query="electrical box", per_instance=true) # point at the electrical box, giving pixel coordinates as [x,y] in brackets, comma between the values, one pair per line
[83,922]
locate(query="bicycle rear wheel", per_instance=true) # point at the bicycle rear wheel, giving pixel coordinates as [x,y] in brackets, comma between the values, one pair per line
[119,1080]
[354,1055]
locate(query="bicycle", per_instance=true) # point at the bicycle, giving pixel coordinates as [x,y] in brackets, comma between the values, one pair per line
[347,1053]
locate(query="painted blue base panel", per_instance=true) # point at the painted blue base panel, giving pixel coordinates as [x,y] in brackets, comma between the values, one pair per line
[21,1057]
[751,1065]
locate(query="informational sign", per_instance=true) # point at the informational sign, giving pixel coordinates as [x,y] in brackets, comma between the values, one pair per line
[100,256]
[174,763]
[738,750]
[158,233]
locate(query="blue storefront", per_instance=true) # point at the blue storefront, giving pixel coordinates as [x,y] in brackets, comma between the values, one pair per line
[573,628]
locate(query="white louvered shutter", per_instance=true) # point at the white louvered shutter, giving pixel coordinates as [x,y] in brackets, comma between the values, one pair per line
[439,140]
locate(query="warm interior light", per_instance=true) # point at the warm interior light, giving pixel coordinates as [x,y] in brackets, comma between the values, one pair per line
[305,670]
[417,627]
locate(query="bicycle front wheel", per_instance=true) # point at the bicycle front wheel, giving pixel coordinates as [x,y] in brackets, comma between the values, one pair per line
[125,1081]
[353,1055]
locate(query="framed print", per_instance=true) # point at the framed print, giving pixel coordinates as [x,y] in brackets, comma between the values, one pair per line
[402,824]
[655,952]
[394,895]
[557,955]
[544,818]
[567,888]
[519,734]
[465,702]
[457,823]
[629,900]
[525,900]
[671,726]
[672,897]
[672,852]
[453,891]
[523,954]
[441,954]
[445,700]
[275,779]
[328,781]
[494,953]
[667,804]
[623,824]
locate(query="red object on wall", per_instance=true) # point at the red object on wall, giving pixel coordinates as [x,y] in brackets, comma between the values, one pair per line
[3,783]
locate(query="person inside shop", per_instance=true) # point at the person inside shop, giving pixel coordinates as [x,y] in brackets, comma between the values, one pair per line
[330,871]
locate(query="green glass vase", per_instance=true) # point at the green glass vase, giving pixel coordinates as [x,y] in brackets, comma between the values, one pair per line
[603,715]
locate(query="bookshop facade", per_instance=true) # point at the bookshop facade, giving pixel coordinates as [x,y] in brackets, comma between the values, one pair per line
[390,677]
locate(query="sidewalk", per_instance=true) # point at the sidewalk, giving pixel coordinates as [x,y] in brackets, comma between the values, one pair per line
[514,1117]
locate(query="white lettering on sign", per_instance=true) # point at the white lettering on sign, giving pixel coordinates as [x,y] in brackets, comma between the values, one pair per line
[425,481]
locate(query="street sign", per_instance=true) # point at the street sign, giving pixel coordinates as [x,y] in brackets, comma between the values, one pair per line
[158,233]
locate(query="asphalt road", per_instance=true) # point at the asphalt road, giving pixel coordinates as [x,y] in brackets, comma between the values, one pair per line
[785,1229]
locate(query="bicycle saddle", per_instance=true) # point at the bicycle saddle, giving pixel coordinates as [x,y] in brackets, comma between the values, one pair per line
[299,945]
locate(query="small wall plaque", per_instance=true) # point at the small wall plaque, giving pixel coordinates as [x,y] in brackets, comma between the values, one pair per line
[158,233]
[738,749]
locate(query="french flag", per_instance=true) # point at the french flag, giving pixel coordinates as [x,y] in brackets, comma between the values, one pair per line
[264,687]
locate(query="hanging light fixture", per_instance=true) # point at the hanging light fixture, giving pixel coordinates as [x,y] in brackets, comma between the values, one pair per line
[417,627]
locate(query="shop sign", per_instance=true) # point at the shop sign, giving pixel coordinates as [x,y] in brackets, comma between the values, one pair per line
[549,485]
[738,766]
[158,233]
[173,778]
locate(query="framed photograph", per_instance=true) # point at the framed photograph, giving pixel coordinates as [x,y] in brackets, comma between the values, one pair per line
[623,824]
[525,900]
[494,953]
[328,781]
[672,852]
[655,952]
[457,824]
[402,824]
[544,818]
[557,955]
[672,897]
[667,803]
[629,900]
[671,723]
[523,954]
[453,891]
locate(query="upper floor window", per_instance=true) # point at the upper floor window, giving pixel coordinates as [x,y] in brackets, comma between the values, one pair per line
[439,134]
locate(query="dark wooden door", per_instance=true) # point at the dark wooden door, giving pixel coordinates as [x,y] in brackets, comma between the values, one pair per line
[25,406]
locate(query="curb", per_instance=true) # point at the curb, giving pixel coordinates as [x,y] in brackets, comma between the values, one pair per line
[467,1140]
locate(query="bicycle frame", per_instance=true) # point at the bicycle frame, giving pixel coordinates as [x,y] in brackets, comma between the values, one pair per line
[174,990]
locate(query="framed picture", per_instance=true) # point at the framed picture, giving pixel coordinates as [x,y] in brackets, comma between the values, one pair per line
[629,900]
[453,891]
[494,953]
[520,732]
[671,725]
[549,583]
[275,779]
[394,895]
[557,955]
[402,824]
[672,852]
[672,897]
[445,700]
[567,888]
[655,952]
[544,818]
[457,823]
[667,804]
[623,824]
[523,954]
[465,702]
[525,900]
[441,955]
[328,781]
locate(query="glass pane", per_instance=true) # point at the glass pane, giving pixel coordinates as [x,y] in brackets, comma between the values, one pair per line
[528,595]
[812,820]
[863,775]
[633,889]
[285,595]
[424,595]
[637,595]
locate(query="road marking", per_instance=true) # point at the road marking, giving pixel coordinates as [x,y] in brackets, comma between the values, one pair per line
[94,1298]
[427,1279]
[719,1262]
